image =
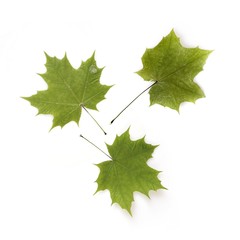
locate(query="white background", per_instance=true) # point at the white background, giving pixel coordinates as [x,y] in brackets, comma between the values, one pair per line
[47,178]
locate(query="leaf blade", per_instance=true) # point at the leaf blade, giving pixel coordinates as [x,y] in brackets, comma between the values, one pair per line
[128,171]
[171,64]
[68,89]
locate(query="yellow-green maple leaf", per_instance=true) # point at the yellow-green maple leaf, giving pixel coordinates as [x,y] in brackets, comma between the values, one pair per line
[128,171]
[69,90]
[173,67]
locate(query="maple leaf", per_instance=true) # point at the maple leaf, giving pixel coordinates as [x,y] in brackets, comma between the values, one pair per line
[173,67]
[69,90]
[127,171]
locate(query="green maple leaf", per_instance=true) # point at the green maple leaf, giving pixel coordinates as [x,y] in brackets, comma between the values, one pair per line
[69,90]
[173,67]
[128,171]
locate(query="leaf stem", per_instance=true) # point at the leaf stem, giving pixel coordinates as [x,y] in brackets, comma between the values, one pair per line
[95,146]
[93,119]
[133,101]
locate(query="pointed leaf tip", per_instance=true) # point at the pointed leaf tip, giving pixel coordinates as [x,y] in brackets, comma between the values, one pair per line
[47,56]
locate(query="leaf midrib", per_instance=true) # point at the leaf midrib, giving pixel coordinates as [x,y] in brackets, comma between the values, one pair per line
[59,103]
[68,87]
[86,82]
[179,69]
